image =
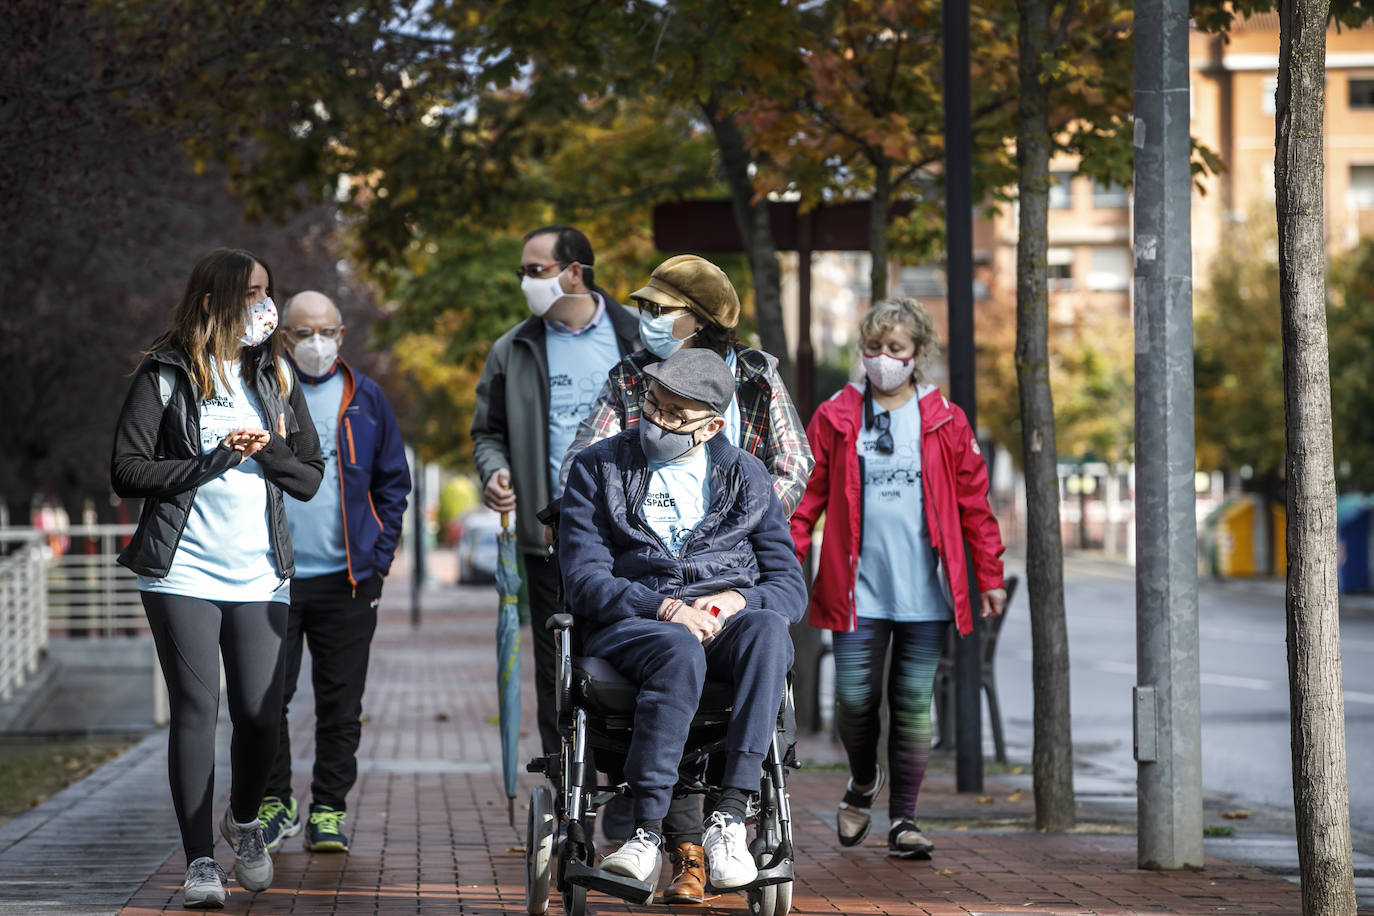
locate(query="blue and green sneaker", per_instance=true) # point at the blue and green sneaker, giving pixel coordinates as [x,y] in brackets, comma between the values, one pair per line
[279,819]
[324,832]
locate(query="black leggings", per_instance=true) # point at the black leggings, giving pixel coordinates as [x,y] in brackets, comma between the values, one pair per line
[190,633]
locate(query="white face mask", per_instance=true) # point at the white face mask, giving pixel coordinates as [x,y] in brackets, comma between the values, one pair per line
[888,373]
[541,294]
[316,355]
[657,334]
[262,321]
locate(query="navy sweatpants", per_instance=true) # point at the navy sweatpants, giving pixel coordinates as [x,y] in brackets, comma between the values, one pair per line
[753,651]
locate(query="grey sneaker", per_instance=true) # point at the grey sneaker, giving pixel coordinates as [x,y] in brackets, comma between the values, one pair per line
[906,841]
[853,818]
[253,863]
[204,888]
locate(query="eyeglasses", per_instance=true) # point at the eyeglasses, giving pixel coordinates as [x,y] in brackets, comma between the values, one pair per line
[668,419]
[658,311]
[534,270]
[883,424]
[307,333]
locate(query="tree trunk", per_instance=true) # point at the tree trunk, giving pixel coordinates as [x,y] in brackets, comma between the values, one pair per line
[756,229]
[877,230]
[1320,794]
[1052,757]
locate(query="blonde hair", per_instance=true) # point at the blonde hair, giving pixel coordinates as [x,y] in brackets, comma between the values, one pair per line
[908,314]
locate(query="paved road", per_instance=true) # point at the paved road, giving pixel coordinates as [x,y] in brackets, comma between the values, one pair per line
[1245,729]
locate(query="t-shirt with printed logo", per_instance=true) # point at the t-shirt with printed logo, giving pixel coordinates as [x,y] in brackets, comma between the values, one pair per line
[898,570]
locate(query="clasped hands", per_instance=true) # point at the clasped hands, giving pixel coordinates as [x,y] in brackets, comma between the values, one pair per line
[248,442]
[697,616]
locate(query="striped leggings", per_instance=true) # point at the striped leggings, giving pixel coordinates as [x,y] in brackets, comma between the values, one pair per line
[859,658]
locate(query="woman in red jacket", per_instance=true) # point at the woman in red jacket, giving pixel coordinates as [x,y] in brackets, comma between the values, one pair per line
[902,483]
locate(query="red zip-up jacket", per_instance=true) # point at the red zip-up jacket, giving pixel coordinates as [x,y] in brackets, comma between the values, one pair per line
[954,482]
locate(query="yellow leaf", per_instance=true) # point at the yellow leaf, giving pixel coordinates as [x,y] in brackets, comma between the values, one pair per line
[1235,815]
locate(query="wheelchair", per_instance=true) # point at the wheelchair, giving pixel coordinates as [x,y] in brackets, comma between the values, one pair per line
[595,714]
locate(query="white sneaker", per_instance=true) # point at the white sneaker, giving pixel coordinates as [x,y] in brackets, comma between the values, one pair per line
[638,858]
[204,888]
[252,862]
[727,852]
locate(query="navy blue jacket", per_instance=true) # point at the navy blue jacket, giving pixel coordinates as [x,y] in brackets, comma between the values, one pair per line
[615,567]
[374,477]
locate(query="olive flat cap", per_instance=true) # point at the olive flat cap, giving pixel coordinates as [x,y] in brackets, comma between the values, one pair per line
[697,374]
[692,282]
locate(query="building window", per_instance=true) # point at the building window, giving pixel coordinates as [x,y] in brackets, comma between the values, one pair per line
[1362,93]
[1059,269]
[1362,187]
[924,282]
[1108,196]
[1111,268]
[1268,92]
[1061,190]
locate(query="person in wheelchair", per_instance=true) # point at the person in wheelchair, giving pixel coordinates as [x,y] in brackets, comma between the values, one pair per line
[678,564]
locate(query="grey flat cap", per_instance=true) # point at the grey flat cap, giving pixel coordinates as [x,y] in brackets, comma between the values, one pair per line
[698,374]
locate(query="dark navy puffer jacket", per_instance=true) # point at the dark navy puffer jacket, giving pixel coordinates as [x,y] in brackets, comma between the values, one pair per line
[614,566]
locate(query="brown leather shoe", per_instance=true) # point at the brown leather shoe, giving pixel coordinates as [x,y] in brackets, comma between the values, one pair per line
[689,875]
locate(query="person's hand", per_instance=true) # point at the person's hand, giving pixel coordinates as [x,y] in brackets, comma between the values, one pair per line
[247,442]
[497,494]
[701,623]
[730,603]
[994,602]
[281,425]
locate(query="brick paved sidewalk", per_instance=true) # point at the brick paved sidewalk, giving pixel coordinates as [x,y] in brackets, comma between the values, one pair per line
[430,830]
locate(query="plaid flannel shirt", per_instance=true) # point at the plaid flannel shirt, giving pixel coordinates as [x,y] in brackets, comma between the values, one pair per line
[770,428]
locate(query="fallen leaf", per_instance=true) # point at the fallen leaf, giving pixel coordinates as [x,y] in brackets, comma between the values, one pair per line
[520,848]
[986,799]
[1015,796]
[962,827]
[1235,815]
[947,872]
[441,717]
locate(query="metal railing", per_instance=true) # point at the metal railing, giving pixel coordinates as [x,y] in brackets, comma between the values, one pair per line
[23,617]
[88,592]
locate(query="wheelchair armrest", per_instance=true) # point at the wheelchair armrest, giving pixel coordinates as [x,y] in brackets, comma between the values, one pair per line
[561,627]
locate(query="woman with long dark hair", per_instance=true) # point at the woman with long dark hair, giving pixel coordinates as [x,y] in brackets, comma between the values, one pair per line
[212,431]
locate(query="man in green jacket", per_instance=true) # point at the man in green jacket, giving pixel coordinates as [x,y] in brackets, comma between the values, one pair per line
[540,379]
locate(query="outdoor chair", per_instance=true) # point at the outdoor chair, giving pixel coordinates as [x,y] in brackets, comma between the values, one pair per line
[943,694]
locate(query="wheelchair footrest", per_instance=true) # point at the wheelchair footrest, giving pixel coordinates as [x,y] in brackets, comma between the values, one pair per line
[778,874]
[595,879]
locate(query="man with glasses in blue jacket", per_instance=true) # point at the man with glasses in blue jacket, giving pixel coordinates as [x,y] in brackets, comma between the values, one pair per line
[344,540]
[678,562]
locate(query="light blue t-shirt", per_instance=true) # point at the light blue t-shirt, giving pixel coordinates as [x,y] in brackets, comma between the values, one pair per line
[317,529]
[898,569]
[578,365]
[679,495]
[225,552]
[731,415]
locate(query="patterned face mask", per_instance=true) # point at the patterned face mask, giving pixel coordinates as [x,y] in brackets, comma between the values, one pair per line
[262,321]
[888,373]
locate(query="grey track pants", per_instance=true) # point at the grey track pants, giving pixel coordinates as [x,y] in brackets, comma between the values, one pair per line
[190,634]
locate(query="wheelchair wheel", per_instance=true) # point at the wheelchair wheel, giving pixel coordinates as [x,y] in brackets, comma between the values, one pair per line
[575,900]
[762,900]
[539,851]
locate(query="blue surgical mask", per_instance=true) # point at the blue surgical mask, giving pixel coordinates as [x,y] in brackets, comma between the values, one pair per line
[663,445]
[657,334]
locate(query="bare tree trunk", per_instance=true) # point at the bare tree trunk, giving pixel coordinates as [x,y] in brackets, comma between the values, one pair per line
[756,229]
[1321,800]
[1052,757]
[877,230]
